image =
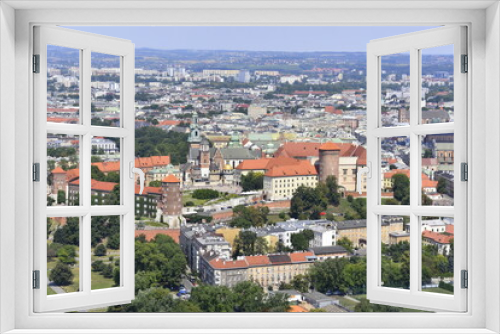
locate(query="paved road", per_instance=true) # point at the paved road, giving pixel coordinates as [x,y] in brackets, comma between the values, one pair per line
[57,289]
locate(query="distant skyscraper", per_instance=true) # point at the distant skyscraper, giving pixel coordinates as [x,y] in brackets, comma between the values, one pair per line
[244,76]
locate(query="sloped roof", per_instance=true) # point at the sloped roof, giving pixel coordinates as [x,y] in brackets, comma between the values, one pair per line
[257,260]
[305,150]
[439,238]
[303,167]
[58,170]
[253,164]
[329,146]
[171,179]
[300,256]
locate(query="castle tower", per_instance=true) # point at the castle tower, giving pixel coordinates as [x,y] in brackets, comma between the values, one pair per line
[171,202]
[58,180]
[328,161]
[204,158]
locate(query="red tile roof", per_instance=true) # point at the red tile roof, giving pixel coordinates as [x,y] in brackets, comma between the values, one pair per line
[108,166]
[429,183]
[296,309]
[151,234]
[300,256]
[148,162]
[98,185]
[303,167]
[305,150]
[72,174]
[450,228]
[147,190]
[171,179]
[169,122]
[154,161]
[329,146]
[223,264]
[257,260]
[439,238]
[253,164]
[58,170]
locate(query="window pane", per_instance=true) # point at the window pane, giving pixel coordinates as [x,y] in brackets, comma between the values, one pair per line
[105,89]
[105,171]
[63,255]
[105,252]
[437,85]
[63,85]
[63,170]
[395,250]
[438,169]
[395,89]
[395,168]
[437,254]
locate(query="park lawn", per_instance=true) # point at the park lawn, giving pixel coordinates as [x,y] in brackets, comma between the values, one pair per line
[344,207]
[50,291]
[274,218]
[347,303]
[101,282]
[358,297]
[188,196]
[438,290]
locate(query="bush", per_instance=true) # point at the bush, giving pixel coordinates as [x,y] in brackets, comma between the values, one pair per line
[100,250]
[446,286]
[107,271]
[189,203]
[205,194]
[98,266]
[61,274]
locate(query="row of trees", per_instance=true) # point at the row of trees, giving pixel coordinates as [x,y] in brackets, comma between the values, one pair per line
[152,141]
[244,297]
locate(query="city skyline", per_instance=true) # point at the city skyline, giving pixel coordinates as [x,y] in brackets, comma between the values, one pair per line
[270,38]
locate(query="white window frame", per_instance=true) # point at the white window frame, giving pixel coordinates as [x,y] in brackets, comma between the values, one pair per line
[86,44]
[482,316]
[413,43]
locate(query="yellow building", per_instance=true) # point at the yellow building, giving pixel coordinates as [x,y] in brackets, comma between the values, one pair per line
[228,233]
[355,230]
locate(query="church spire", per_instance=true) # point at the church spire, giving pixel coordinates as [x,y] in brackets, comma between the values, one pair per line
[194,136]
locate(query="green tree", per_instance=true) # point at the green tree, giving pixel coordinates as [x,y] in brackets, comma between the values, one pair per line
[155,184]
[68,234]
[300,241]
[100,250]
[442,185]
[401,188]
[245,243]
[427,153]
[61,197]
[66,254]
[114,241]
[162,259]
[205,194]
[252,181]
[300,283]
[328,275]
[213,298]
[107,270]
[346,243]
[61,274]
[156,300]
[333,190]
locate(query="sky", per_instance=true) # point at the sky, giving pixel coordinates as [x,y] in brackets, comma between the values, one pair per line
[272,38]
